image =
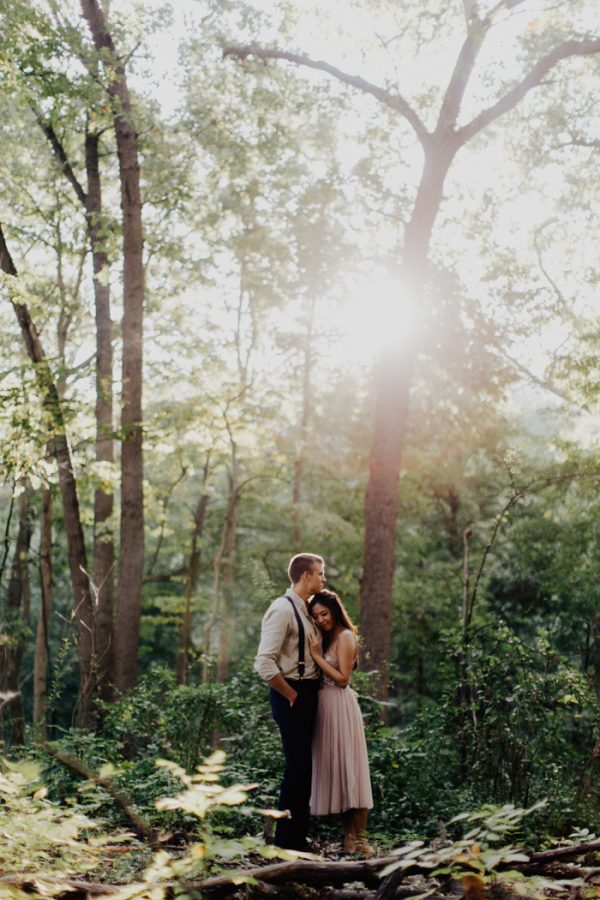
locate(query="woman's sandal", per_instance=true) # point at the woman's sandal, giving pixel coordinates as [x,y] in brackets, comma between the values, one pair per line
[364,848]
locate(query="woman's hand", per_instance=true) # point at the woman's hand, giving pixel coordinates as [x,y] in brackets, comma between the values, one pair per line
[315,646]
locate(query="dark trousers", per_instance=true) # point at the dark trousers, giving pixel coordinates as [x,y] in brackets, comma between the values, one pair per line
[296,725]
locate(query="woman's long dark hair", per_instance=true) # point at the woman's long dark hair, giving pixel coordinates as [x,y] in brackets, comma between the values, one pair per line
[336,608]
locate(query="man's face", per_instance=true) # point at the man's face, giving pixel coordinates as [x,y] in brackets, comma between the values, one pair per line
[316,578]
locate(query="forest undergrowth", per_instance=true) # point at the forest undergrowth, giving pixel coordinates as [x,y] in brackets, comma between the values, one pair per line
[523,753]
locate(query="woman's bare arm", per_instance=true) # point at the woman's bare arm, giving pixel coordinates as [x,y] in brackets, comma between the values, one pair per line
[346,647]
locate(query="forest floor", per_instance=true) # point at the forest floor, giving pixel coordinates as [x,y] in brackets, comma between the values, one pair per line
[568,873]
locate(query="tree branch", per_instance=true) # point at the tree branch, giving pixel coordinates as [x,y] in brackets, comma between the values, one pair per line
[286,879]
[60,153]
[6,261]
[581,142]
[165,505]
[543,383]
[538,252]
[503,4]
[516,497]
[470,10]
[394,101]
[533,79]
[477,31]
[121,798]
[29,331]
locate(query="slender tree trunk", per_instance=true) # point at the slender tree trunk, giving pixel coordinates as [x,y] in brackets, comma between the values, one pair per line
[597,655]
[17,601]
[104,551]
[61,451]
[129,590]
[420,684]
[227,577]
[193,571]
[104,554]
[304,421]
[6,538]
[223,568]
[224,565]
[41,660]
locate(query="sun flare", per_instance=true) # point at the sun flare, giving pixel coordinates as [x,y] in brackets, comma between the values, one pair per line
[380,315]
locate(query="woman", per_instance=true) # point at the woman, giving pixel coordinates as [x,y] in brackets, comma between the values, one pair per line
[340,778]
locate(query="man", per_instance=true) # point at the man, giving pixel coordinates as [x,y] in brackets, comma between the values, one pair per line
[285,662]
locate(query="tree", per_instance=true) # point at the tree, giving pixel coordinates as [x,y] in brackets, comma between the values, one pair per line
[82,598]
[129,589]
[439,147]
[42,638]
[17,616]
[191,579]
[104,554]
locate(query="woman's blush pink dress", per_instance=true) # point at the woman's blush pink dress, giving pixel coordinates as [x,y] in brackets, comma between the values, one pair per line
[340,767]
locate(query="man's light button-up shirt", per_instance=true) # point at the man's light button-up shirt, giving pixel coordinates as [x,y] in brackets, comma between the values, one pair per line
[278,648]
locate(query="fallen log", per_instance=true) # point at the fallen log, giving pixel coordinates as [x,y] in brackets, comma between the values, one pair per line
[337,880]
[557,870]
[565,852]
[310,872]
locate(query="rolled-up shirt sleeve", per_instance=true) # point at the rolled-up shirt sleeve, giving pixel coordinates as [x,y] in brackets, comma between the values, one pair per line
[274,632]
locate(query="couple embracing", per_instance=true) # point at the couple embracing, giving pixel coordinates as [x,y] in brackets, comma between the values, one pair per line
[307,652]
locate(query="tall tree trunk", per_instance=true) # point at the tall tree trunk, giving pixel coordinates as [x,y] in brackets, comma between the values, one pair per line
[304,421]
[41,659]
[193,571]
[60,449]
[389,432]
[17,602]
[104,551]
[129,590]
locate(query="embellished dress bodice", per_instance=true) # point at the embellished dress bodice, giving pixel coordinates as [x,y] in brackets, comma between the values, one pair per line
[331,658]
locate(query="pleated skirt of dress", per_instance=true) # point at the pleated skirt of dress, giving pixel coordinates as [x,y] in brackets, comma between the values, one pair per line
[340,766]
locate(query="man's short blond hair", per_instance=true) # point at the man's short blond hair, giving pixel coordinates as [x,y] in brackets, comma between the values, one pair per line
[301,563]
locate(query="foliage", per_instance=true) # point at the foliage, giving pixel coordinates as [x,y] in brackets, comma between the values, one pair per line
[524,732]
[160,719]
[202,797]
[47,839]
[41,836]
[527,736]
[474,859]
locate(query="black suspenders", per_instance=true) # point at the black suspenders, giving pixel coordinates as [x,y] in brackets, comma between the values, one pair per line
[300,639]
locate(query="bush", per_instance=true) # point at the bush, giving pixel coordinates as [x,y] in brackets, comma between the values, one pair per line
[521,732]
[160,719]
